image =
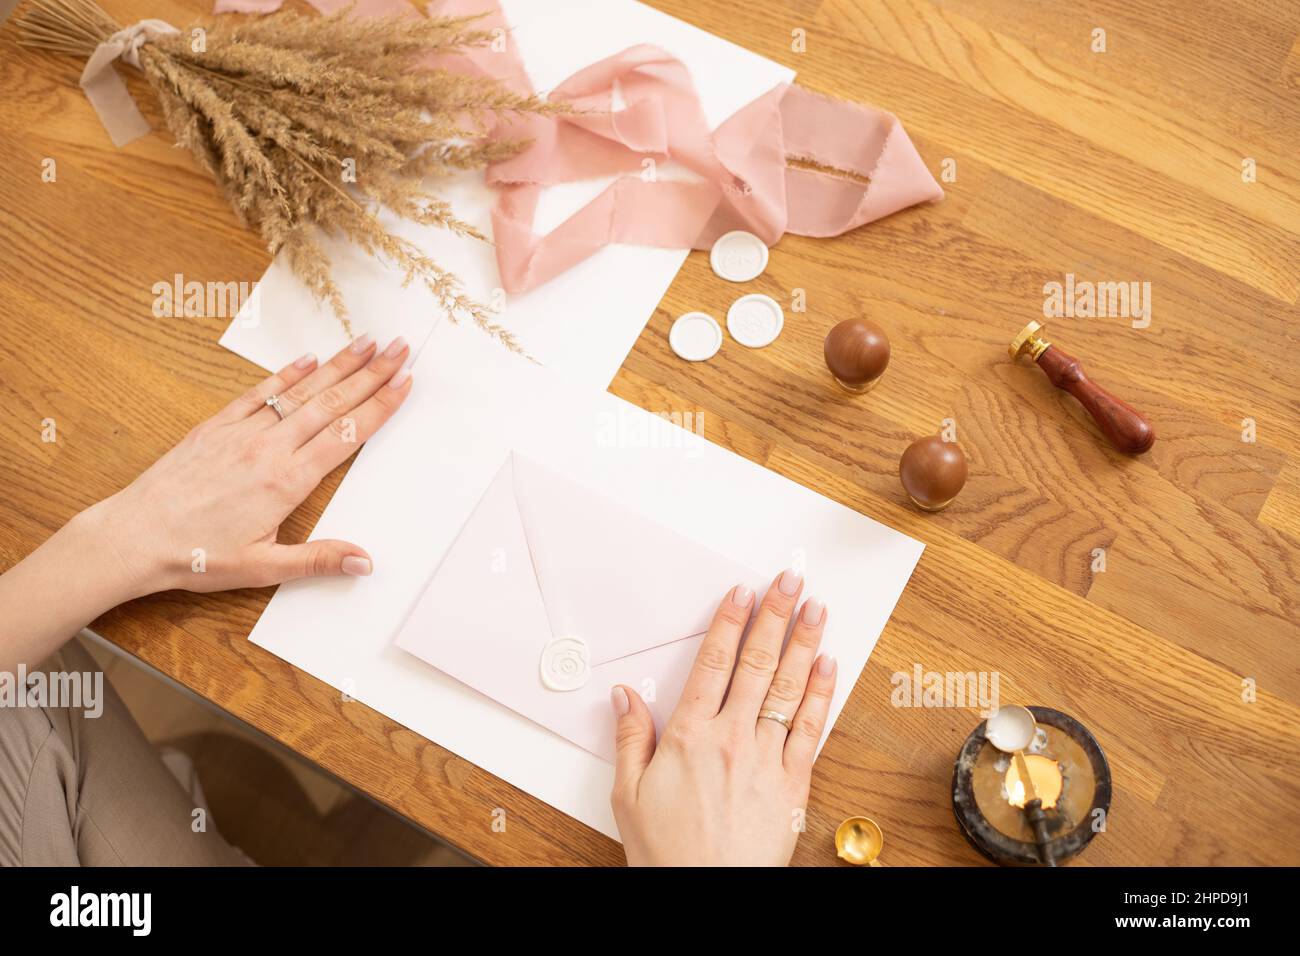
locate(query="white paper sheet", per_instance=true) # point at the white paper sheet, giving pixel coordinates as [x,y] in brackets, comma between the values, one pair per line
[582,323]
[415,483]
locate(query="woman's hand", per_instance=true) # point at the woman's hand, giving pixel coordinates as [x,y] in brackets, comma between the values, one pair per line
[725,786]
[204,517]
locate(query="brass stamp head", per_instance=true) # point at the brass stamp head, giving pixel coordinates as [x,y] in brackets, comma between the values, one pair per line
[1029,341]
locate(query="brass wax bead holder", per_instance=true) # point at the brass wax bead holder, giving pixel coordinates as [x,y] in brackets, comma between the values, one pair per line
[1127,429]
[859,840]
[856,389]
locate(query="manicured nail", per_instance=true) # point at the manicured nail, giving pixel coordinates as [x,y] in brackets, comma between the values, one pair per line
[813,610]
[360,345]
[789,582]
[741,595]
[618,699]
[399,378]
[356,566]
[395,347]
[825,665]
[307,361]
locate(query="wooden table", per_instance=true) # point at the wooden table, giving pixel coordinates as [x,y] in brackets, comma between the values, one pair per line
[1123,165]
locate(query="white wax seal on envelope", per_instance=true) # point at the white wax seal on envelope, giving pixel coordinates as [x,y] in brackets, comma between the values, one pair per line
[755,320]
[738,256]
[566,664]
[695,336]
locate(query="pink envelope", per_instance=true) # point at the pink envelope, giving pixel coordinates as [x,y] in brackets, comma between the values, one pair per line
[553,593]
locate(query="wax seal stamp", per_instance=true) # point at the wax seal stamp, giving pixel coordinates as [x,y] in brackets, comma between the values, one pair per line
[566,664]
[738,256]
[1125,428]
[755,320]
[933,471]
[857,353]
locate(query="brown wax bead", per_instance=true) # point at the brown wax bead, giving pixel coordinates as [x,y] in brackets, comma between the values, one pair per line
[857,353]
[933,472]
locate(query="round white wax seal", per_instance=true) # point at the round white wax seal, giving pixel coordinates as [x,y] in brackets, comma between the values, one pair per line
[738,256]
[755,320]
[695,336]
[565,664]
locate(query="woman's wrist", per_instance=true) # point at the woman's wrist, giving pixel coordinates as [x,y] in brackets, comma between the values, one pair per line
[75,576]
[111,563]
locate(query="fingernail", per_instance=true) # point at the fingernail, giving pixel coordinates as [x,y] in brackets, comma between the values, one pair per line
[825,666]
[399,378]
[361,344]
[307,361]
[395,347]
[813,610]
[789,582]
[618,699]
[741,595]
[356,566]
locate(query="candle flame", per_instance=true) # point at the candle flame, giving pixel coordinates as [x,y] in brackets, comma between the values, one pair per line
[1045,775]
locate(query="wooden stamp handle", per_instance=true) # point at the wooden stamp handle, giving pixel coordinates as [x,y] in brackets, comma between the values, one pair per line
[1123,425]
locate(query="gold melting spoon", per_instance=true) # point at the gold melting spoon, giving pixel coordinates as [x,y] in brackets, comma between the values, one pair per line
[859,841]
[1011,729]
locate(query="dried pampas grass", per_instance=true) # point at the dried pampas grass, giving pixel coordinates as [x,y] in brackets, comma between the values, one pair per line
[310,122]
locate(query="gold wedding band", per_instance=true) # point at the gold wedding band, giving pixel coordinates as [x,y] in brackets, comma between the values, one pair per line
[274,402]
[776,715]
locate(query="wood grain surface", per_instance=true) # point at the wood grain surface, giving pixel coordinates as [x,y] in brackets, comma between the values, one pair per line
[1117,166]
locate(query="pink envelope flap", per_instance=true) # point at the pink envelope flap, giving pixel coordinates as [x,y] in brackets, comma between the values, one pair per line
[615,578]
[542,559]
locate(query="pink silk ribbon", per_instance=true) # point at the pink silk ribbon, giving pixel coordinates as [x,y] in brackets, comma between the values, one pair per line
[743,179]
